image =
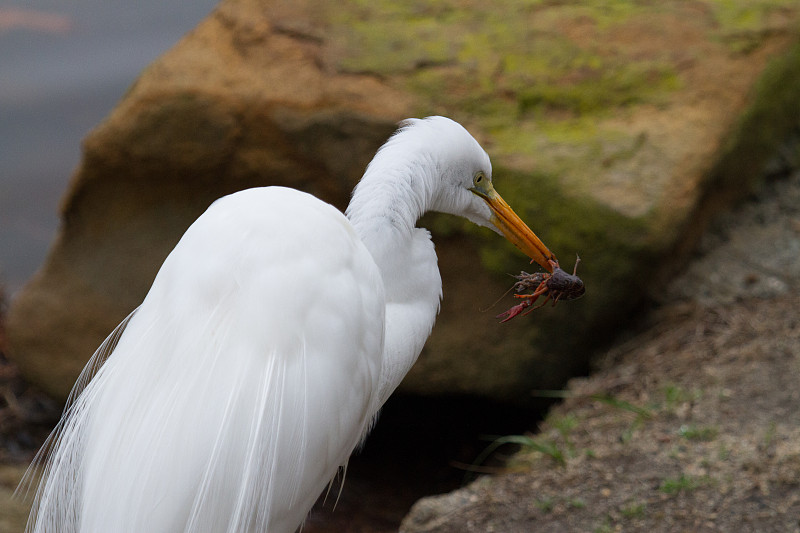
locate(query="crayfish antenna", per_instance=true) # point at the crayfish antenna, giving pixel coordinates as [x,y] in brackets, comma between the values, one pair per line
[577,260]
[498,300]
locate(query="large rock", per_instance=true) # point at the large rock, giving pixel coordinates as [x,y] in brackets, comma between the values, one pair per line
[615,131]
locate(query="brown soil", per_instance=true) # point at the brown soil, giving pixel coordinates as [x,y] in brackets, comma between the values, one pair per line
[693,425]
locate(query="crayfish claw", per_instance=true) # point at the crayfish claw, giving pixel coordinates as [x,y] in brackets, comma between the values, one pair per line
[514,311]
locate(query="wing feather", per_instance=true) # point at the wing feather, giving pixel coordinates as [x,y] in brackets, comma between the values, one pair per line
[230,398]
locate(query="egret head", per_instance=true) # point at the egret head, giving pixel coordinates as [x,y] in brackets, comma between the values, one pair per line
[463,184]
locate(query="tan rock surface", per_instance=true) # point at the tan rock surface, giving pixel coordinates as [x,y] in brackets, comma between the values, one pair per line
[615,131]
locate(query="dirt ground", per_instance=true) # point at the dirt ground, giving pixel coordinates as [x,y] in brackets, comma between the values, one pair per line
[691,423]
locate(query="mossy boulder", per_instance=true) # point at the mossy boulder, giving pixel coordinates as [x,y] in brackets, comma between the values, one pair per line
[616,130]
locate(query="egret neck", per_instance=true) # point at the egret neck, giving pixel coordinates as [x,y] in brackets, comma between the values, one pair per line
[390,198]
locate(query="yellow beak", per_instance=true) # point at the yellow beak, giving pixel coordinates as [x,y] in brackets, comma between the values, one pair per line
[514,229]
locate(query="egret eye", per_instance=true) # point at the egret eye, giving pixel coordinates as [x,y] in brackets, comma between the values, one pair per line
[479,179]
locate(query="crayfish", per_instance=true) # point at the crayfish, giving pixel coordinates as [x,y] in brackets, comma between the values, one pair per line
[554,286]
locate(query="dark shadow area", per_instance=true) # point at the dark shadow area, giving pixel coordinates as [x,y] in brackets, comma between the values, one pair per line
[420,446]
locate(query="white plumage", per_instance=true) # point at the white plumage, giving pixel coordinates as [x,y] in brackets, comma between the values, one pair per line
[269,340]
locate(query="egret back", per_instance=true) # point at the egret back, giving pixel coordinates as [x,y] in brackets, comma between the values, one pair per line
[238,388]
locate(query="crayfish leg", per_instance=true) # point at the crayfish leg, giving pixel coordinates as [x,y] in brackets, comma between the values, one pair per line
[555,299]
[538,306]
[541,289]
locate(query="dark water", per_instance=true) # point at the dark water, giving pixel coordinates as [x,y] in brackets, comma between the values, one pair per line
[63,67]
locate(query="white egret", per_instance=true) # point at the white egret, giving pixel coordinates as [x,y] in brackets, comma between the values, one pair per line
[269,340]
